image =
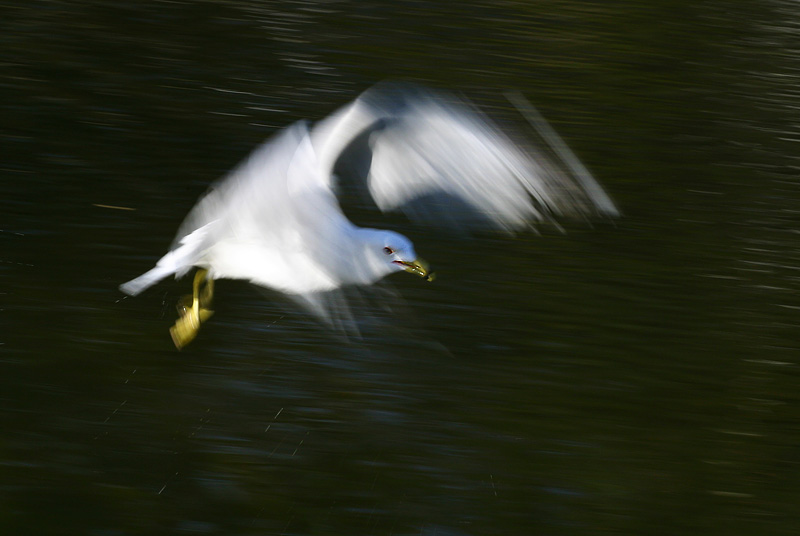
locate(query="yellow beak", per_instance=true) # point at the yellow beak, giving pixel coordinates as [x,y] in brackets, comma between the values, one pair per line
[420,268]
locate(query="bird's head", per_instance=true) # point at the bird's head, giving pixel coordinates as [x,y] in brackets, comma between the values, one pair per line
[394,252]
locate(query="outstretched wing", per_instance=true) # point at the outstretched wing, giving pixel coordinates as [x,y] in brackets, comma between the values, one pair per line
[440,160]
[273,220]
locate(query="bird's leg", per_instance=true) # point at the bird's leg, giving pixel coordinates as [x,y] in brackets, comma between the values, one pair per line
[193,310]
[207,296]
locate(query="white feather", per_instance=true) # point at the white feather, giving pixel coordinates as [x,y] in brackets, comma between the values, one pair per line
[275,219]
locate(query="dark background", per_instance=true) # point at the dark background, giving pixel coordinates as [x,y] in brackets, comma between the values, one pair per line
[639,377]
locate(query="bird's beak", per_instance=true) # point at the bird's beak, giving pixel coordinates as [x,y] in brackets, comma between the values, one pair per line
[420,268]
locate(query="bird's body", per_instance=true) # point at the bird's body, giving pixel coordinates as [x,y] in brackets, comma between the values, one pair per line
[276,221]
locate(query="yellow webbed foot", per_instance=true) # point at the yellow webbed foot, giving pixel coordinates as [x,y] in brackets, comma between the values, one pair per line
[193,311]
[187,326]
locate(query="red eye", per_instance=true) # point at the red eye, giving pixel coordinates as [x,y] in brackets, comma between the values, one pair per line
[388,250]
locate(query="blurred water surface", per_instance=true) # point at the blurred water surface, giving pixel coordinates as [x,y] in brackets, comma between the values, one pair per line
[634,378]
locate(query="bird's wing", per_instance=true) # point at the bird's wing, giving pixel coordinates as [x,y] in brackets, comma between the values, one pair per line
[275,204]
[439,159]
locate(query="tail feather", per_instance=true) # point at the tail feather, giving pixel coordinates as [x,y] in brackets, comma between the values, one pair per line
[147,279]
[178,261]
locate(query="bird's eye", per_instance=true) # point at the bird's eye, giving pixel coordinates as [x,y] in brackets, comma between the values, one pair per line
[388,250]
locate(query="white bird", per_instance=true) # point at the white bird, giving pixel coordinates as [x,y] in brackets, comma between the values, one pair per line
[275,220]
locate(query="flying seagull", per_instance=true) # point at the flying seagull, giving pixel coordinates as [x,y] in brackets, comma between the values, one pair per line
[275,220]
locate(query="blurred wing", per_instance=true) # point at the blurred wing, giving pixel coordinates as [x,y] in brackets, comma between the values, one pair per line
[442,161]
[273,220]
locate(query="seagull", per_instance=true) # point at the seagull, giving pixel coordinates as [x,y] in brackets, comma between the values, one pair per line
[275,220]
